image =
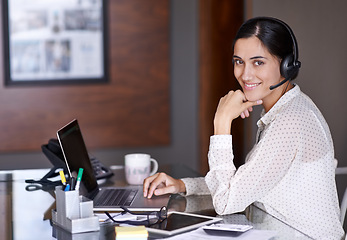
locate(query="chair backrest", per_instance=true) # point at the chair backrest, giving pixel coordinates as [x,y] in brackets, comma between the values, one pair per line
[340,171]
[343,207]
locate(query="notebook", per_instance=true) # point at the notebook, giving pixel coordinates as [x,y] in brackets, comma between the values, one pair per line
[105,198]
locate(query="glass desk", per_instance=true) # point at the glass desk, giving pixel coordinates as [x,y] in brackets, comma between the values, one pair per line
[26,214]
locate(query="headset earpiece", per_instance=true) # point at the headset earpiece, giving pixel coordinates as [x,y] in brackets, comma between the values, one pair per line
[289,68]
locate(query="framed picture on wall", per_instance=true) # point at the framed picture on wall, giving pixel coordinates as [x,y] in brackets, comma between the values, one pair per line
[54,41]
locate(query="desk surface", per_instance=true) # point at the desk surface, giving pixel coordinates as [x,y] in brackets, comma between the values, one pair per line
[26,214]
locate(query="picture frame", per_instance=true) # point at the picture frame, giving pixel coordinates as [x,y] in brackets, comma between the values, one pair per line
[54,41]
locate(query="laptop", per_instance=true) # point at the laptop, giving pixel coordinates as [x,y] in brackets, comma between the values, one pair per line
[108,198]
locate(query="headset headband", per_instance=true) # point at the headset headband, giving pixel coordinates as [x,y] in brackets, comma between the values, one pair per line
[291,33]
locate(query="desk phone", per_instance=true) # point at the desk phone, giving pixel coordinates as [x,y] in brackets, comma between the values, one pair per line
[55,155]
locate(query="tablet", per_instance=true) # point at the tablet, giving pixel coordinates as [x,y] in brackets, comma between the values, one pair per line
[179,222]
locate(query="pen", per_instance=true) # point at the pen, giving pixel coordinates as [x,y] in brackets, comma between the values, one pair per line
[67,188]
[79,177]
[62,176]
[72,183]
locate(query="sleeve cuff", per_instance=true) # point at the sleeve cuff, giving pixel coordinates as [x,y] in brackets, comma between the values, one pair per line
[220,141]
[195,186]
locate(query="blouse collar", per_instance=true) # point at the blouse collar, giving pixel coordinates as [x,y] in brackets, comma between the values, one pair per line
[267,117]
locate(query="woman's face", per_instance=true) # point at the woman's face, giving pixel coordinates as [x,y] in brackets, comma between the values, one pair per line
[256,70]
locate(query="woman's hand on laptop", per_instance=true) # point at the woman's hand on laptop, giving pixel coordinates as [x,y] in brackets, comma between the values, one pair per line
[161,183]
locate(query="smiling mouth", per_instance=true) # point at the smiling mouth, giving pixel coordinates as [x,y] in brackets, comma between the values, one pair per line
[251,85]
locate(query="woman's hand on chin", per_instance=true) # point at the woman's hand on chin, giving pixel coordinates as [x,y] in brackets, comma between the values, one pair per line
[231,106]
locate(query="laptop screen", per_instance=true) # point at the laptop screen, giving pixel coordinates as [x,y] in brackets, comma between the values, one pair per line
[76,156]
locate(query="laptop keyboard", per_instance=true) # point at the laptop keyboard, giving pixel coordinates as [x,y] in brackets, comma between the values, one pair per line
[116,197]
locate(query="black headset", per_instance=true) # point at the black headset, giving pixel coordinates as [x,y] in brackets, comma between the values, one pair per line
[290,64]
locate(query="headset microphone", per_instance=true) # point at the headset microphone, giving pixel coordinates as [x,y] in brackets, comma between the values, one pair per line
[279,84]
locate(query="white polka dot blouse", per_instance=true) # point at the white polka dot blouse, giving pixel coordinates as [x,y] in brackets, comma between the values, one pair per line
[290,171]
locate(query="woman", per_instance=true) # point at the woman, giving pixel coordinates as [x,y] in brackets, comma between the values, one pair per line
[290,172]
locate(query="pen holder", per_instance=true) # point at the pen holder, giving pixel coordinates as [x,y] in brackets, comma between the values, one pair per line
[74,213]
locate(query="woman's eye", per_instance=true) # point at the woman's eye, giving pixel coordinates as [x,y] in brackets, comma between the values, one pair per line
[258,63]
[238,61]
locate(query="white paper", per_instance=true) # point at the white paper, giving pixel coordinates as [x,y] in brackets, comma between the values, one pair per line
[200,234]
[229,227]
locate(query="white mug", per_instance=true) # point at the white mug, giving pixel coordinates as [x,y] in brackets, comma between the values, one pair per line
[137,167]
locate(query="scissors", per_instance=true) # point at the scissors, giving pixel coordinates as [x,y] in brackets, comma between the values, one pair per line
[43,184]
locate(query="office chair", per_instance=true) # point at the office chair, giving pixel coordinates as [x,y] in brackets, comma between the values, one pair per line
[339,171]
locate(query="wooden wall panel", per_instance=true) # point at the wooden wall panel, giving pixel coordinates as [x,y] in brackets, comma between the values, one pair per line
[219,22]
[132,109]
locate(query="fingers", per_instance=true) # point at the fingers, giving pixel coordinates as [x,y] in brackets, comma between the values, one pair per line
[246,113]
[147,182]
[164,190]
[230,107]
[160,178]
[236,104]
[250,104]
[152,185]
